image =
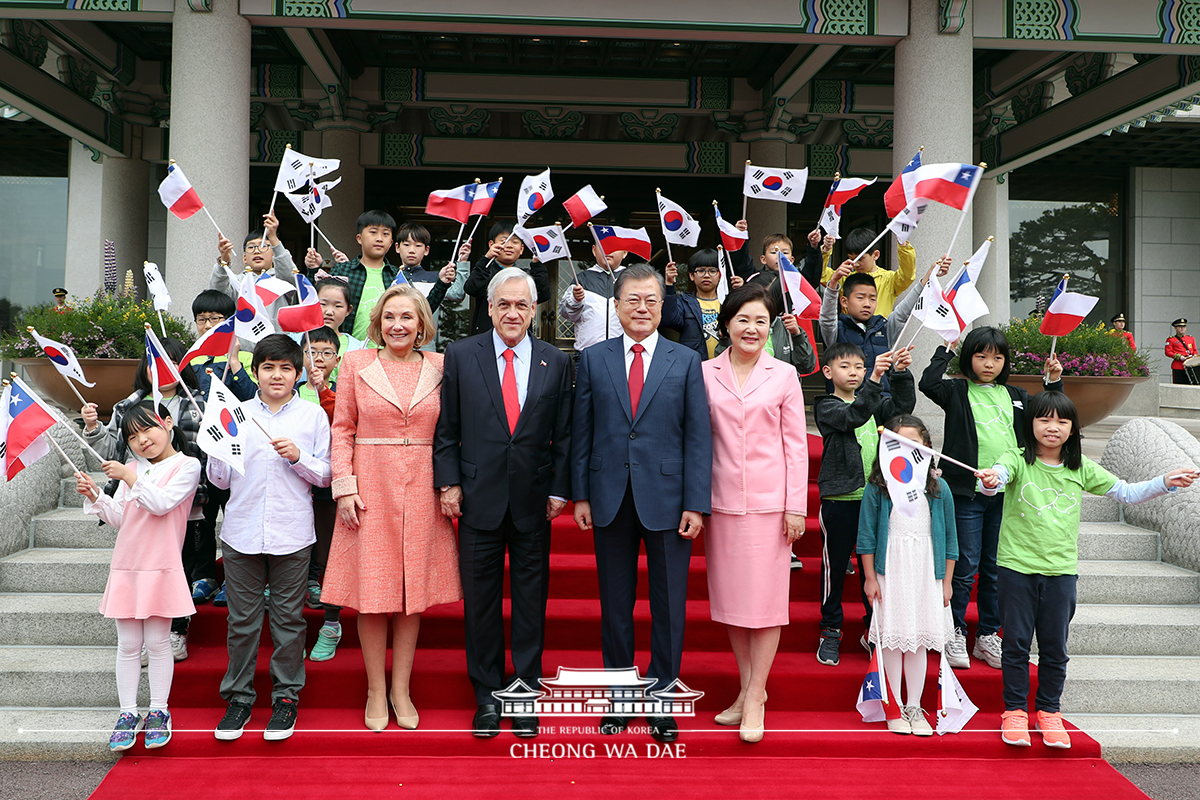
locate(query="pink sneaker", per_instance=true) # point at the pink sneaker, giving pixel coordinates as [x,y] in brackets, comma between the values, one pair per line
[1053,732]
[1014,728]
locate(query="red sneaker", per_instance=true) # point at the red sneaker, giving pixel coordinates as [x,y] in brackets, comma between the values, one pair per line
[1053,732]
[1014,728]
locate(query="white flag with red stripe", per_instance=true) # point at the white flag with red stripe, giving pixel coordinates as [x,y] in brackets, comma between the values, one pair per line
[177,194]
[731,238]
[583,205]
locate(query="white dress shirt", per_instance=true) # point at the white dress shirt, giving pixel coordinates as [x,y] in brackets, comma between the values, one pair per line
[270,507]
[650,342]
[523,354]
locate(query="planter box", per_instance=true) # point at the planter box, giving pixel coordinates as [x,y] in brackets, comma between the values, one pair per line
[1095,397]
[113,377]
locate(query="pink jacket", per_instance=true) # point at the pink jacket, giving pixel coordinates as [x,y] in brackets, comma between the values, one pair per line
[760,441]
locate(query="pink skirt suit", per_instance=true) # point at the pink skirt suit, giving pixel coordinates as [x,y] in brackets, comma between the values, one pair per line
[403,557]
[760,472]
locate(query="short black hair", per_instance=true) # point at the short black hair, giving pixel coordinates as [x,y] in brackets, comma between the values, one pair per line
[144,415]
[638,272]
[175,351]
[857,279]
[254,236]
[376,218]
[841,350]
[746,293]
[1053,404]
[894,425]
[981,340]
[342,286]
[703,258]
[411,230]
[326,335]
[858,240]
[277,347]
[501,228]
[211,301]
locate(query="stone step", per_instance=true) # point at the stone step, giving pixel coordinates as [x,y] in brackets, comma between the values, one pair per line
[55,569]
[1096,508]
[61,677]
[50,620]
[1147,630]
[1132,685]
[1144,738]
[71,528]
[55,734]
[1115,541]
[1136,583]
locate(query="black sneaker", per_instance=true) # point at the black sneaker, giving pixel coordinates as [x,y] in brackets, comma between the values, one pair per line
[233,723]
[796,563]
[827,651]
[283,720]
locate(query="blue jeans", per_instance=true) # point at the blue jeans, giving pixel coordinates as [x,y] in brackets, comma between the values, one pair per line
[978,522]
[1040,605]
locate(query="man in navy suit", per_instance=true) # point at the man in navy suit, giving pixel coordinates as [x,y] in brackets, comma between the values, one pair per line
[501,459]
[641,456]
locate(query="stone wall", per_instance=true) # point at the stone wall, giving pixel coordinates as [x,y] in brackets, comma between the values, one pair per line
[1147,448]
[35,490]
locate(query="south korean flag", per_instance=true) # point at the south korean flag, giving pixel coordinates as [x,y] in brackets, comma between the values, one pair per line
[935,313]
[222,433]
[296,169]
[772,183]
[905,466]
[547,243]
[904,223]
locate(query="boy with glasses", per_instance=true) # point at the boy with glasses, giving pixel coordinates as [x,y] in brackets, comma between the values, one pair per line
[258,256]
[694,315]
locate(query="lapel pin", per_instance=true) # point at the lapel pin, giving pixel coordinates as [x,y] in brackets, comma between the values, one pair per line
[543,363]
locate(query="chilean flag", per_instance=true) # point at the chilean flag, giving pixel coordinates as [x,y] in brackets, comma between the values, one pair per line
[633,240]
[162,370]
[874,702]
[583,205]
[484,195]
[894,197]
[1066,310]
[950,184]
[842,190]
[250,320]
[214,344]
[400,279]
[806,303]
[453,203]
[177,193]
[62,357]
[962,294]
[269,288]
[306,314]
[731,238]
[24,420]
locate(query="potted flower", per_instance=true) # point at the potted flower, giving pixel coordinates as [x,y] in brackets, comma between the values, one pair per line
[1099,368]
[107,333]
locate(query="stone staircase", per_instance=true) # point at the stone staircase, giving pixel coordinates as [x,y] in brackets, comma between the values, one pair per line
[1134,678]
[1133,682]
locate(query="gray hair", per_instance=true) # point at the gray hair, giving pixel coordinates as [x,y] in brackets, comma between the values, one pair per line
[508,274]
[639,272]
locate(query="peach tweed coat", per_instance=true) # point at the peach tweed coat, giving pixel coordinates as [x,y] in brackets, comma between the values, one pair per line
[403,557]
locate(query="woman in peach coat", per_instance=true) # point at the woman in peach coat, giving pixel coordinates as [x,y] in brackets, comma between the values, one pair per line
[393,552]
[759,495]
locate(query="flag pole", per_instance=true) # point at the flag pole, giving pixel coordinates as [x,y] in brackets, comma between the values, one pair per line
[668,239]
[70,427]
[1054,339]
[744,197]
[68,380]
[875,241]
[311,360]
[929,451]
[462,226]
[837,176]
[783,287]
[228,358]
[323,236]
[953,239]
[162,324]
[65,458]
[182,385]
[274,196]
[254,419]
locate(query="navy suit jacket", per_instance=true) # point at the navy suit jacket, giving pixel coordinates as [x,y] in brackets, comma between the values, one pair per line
[681,312]
[666,453]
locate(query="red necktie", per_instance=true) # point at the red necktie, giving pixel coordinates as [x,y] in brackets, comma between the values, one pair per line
[512,406]
[637,377]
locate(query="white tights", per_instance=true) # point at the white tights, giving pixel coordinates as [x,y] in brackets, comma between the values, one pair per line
[155,633]
[913,665]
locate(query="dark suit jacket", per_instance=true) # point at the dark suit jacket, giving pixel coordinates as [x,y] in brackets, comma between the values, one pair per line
[666,453]
[473,448]
[681,312]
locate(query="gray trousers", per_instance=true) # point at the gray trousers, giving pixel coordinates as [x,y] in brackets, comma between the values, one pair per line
[246,576]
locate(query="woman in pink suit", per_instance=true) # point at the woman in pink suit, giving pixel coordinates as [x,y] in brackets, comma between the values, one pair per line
[393,552]
[759,495]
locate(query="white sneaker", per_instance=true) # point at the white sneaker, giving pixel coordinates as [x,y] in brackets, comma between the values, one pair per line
[915,716]
[179,646]
[900,725]
[988,649]
[145,657]
[956,650]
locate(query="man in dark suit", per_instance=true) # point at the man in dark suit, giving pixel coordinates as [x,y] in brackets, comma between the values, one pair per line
[500,458]
[641,460]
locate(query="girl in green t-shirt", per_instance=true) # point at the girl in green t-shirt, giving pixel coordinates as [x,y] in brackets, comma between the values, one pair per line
[1038,554]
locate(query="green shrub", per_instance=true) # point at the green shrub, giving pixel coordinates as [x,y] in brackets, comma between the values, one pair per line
[101,326]
[1094,350]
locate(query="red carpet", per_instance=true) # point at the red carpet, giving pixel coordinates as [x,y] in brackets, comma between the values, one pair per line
[815,739]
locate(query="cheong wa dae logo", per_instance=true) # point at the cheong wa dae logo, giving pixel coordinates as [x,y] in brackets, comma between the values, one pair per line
[597,692]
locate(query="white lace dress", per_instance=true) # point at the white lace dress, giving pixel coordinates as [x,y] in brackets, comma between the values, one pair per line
[912,612]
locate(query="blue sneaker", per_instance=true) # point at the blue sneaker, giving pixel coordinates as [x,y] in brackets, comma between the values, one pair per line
[203,590]
[125,733]
[219,600]
[158,729]
[327,641]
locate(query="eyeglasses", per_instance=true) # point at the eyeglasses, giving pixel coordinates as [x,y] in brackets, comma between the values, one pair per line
[257,248]
[706,271]
[324,355]
[209,319]
[650,303]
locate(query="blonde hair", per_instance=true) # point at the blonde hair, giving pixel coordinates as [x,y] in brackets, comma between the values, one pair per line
[424,314]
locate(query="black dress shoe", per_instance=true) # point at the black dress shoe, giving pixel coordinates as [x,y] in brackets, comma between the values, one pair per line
[487,722]
[612,725]
[663,729]
[525,727]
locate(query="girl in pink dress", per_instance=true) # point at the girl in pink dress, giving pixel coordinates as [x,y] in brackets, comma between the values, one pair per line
[146,586]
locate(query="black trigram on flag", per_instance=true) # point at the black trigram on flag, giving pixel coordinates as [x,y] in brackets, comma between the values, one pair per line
[685,233]
[788,175]
[942,310]
[758,174]
[292,183]
[756,188]
[920,306]
[238,414]
[905,227]
[296,164]
[785,191]
[235,449]
[917,456]
[216,432]
[891,444]
[661,206]
[258,327]
[543,186]
[912,495]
